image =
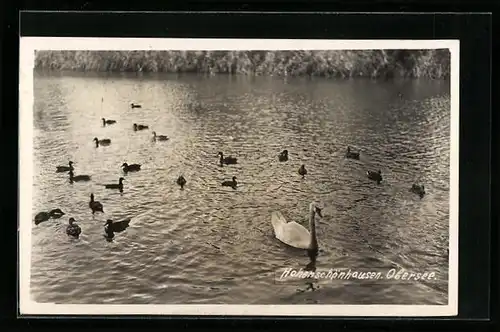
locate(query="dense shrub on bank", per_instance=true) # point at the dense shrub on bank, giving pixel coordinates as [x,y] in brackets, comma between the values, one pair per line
[333,63]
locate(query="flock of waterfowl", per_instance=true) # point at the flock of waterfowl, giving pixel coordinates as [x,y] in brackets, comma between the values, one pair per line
[290,233]
[111,227]
[296,235]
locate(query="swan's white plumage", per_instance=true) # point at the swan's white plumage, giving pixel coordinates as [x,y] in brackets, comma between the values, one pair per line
[290,233]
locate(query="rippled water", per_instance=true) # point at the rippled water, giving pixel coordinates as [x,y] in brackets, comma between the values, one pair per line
[211,244]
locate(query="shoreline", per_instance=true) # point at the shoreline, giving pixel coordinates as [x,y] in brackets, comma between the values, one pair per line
[332,64]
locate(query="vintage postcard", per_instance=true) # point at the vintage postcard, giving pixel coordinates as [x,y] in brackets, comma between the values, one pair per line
[238,177]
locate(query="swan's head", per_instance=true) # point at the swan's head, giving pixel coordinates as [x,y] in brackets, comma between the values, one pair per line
[108,222]
[70,163]
[154,133]
[120,179]
[316,208]
[95,139]
[125,165]
[220,154]
[71,221]
[234,178]
[285,152]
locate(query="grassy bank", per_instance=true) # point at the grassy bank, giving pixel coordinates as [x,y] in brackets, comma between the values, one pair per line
[338,63]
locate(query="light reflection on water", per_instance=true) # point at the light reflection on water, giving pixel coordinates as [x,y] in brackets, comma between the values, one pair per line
[210,244]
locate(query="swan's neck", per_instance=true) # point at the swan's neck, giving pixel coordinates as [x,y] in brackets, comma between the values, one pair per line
[312,225]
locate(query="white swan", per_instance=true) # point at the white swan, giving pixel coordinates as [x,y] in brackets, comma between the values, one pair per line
[295,235]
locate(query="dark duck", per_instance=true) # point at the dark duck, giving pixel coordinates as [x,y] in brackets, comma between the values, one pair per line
[107,122]
[375,176]
[351,155]
[303,171]
[159,137]
[68,168]
[95,206]
[233,184]
[103,142]
[418,189]
[132,105]
[78,178]
[111,227]
[181,181]
[229,160]
[131,168]
[118,185]
[73,229]
[283,156]
[44,216]
[140,127]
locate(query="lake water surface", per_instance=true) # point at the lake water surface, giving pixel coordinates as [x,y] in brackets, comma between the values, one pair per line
[211,244]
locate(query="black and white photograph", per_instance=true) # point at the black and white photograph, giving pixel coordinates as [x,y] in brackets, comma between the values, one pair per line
[238,177]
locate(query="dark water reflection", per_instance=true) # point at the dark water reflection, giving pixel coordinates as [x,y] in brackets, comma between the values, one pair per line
[210,244]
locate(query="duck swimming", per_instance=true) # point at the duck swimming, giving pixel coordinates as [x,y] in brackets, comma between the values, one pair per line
[159,137]
[117,226]
[131,168]
[296,235]
[181,181]
[111,227]
[229,160]
[60,169]
[95,206]
[78,178]
[73,229]
[103,142]
[44,216]
[139,127]
[132,105]
[351,155]
[231,184]
[283,156]
[107,122]
[375,176]
[418,189]
[302,171]
[118,185]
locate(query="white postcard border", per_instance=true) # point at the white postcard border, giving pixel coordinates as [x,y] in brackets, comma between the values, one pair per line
[28,46]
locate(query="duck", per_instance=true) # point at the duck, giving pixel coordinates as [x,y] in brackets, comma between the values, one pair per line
[296,235]
[140,127]
[418,189]
[107,122]
[375,176]
[73,229]
[181,181]
[95,206]
[117,226]
[44,216]
[302,171]
[229,160]
[104,142]
[159,137]
[132,105]
[111,227]
[351,155]
[231,184]
[78,178]
[60,169]
[118,185]
[131,168]
[283,156]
